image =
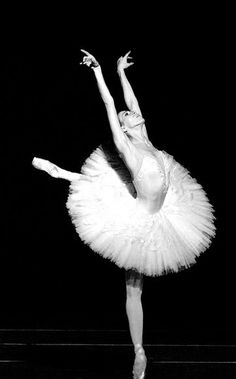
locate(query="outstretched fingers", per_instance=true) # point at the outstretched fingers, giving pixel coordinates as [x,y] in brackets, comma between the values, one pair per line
[89,60]
[85,52]
[127,55]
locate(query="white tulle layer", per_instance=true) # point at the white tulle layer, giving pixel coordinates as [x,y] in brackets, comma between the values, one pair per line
[109,219]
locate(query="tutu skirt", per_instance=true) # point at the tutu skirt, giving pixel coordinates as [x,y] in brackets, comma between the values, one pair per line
[103,206]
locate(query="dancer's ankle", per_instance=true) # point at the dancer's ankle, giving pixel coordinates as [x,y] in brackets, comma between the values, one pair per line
[138,347]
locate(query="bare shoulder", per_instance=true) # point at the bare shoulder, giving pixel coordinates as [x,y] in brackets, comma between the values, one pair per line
[133,155]
[127,151]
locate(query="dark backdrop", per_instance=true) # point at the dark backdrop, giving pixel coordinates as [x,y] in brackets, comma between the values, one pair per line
[52,109]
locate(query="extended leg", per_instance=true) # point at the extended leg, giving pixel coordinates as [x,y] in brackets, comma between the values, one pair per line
[53,170]
[134,309]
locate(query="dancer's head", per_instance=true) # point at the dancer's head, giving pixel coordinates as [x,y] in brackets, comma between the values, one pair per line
[130,120]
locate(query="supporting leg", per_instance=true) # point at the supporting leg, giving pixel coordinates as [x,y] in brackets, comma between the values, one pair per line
[134,310]
[134,286]
[53,170]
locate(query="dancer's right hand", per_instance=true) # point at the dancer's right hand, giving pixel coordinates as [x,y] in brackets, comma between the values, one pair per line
[89,60]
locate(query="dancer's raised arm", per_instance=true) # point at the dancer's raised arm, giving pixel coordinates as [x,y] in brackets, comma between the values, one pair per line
[119,137]
[129,96]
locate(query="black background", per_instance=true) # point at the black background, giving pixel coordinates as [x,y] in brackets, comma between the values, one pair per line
[52,109]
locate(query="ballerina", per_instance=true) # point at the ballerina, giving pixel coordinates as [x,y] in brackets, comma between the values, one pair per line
[156,219]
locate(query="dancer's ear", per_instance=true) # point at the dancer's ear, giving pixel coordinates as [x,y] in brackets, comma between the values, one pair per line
[124,128]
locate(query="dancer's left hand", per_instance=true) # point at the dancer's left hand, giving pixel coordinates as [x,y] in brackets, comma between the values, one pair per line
[123,63]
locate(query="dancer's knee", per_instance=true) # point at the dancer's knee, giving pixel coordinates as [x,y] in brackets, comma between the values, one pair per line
[133,292]
[134,284]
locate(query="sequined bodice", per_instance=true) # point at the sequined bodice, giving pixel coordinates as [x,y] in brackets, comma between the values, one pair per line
[150,181]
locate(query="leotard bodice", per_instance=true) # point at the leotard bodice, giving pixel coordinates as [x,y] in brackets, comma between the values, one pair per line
[150,183]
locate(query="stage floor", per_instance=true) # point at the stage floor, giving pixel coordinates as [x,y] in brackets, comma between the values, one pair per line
[155,370]
[108,354]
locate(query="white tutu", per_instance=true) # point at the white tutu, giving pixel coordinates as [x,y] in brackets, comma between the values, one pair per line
[107,217]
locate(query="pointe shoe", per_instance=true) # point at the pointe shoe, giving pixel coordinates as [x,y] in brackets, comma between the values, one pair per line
[140,363]
[43,164]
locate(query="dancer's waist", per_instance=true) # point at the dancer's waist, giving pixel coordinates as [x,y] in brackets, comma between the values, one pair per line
[150,205]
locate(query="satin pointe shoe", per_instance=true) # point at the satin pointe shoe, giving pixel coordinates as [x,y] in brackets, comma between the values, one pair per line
[140,363]
[45,165]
